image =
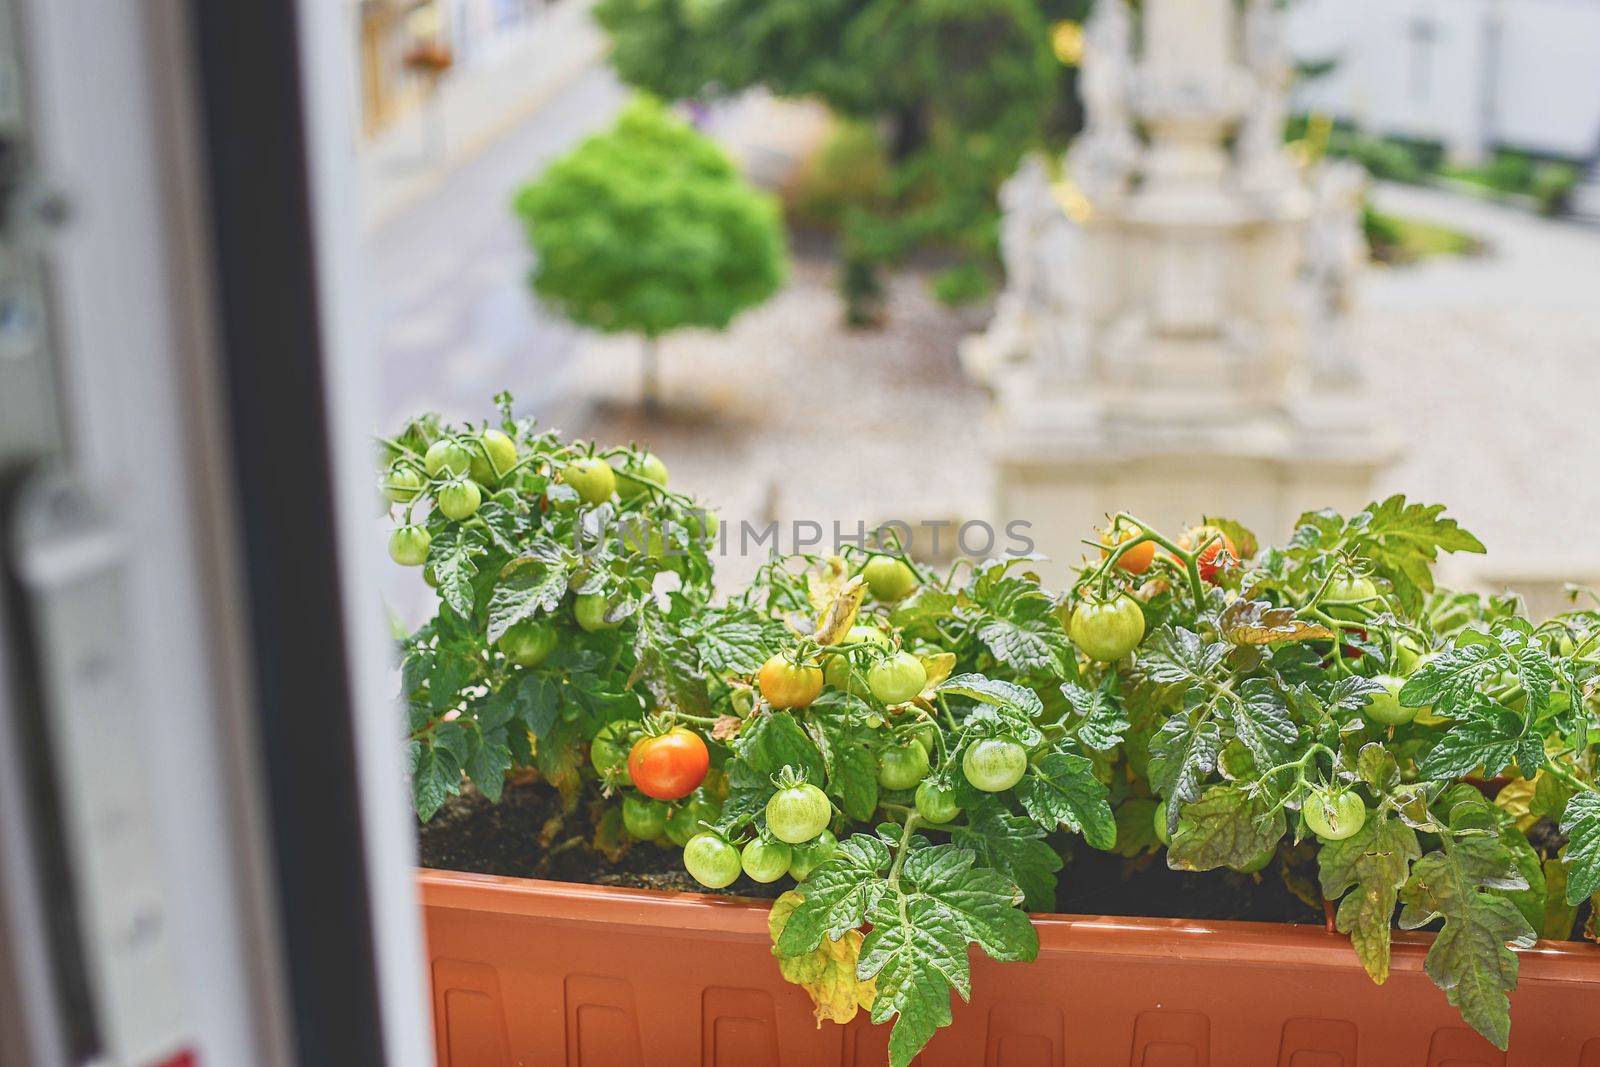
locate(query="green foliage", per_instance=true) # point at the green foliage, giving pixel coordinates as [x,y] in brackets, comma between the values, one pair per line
[1245,712]
[961,90]
[648,227]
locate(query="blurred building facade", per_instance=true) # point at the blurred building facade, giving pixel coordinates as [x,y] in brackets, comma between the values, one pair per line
[440,78]
[1470,75]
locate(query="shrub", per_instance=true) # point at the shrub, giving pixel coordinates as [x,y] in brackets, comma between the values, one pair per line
[648,228]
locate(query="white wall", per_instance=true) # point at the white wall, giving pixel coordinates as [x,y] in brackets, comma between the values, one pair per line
[1474,74]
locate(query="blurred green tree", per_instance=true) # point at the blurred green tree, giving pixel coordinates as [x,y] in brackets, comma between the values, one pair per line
[647,228]
[956,91]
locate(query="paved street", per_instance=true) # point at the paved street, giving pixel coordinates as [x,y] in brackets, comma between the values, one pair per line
[452,316]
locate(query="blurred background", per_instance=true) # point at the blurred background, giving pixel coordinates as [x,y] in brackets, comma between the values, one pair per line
[1427,324]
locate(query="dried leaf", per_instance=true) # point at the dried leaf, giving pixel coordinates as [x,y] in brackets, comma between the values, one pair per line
[828,972]
[840,615]
[1256,622]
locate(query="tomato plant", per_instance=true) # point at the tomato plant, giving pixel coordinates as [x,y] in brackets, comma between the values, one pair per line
[1419,757]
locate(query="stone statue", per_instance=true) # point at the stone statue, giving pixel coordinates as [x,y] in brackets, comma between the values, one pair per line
[1335,259]
[1106,151]
[1263,166]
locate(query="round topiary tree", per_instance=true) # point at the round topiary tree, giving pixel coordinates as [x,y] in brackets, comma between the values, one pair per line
[648,228]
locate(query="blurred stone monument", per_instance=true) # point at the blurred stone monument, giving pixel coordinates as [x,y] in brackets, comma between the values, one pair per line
[1172,338]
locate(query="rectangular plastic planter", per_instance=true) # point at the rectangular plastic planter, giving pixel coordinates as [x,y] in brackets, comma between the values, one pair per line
[529,974]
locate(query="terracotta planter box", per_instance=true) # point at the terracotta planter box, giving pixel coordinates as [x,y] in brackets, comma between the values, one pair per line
[542,973]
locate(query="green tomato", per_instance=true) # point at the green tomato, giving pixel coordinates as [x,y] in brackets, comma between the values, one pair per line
[635,473]
[994,764]
[1334,816]
[811,855]
[591,478]
[685,820]
[888,578]
[713,862]
[902,767]
[528,642]
[798,813]
[1384,707]
[1407,656]
[493,454]
[408,546]
[644,818]
[703,525]
[447,455]
[936,805]
[459,499]
[897,678]
[766,861]
[840,673]
[608,752]
[1259,861]
[1348,589]
[926,735]
[1162,833]
[402,483]
[1107,631]
[590,609]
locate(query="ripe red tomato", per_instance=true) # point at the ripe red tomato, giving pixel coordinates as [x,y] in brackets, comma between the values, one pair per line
[1136,560]
[669,766]
[1209,561]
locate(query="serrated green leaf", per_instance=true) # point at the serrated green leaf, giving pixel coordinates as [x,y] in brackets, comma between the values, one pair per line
[1061,789]
[669,666]
[435,776]
[488,760]
[838,895]
[1014,846]
[452,556]
[1101,721]
[1367,870]
[1029,646]
[1469,959]
[1175,656]
[1182,756]
[1456,677]
[993,691]
[735,641]
[1581,824]
[1226,827]
[1490,738]
[1261,721]
[526,586]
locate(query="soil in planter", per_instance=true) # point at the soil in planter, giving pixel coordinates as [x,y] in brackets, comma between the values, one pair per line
[527,835]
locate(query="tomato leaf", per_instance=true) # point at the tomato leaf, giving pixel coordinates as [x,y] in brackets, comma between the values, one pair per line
[734,640]
[1060,789]
[1581,824]
[1257,622]
[1014,846]
[1226,827]
[435,776]
[1469,959]
[827,972]
[1490,737]
[1001,694]
[918,945]
[1030,643]
[669,666]
[1374,862]
[1182,756]
[452,556]
[528,585]
[1102,721]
